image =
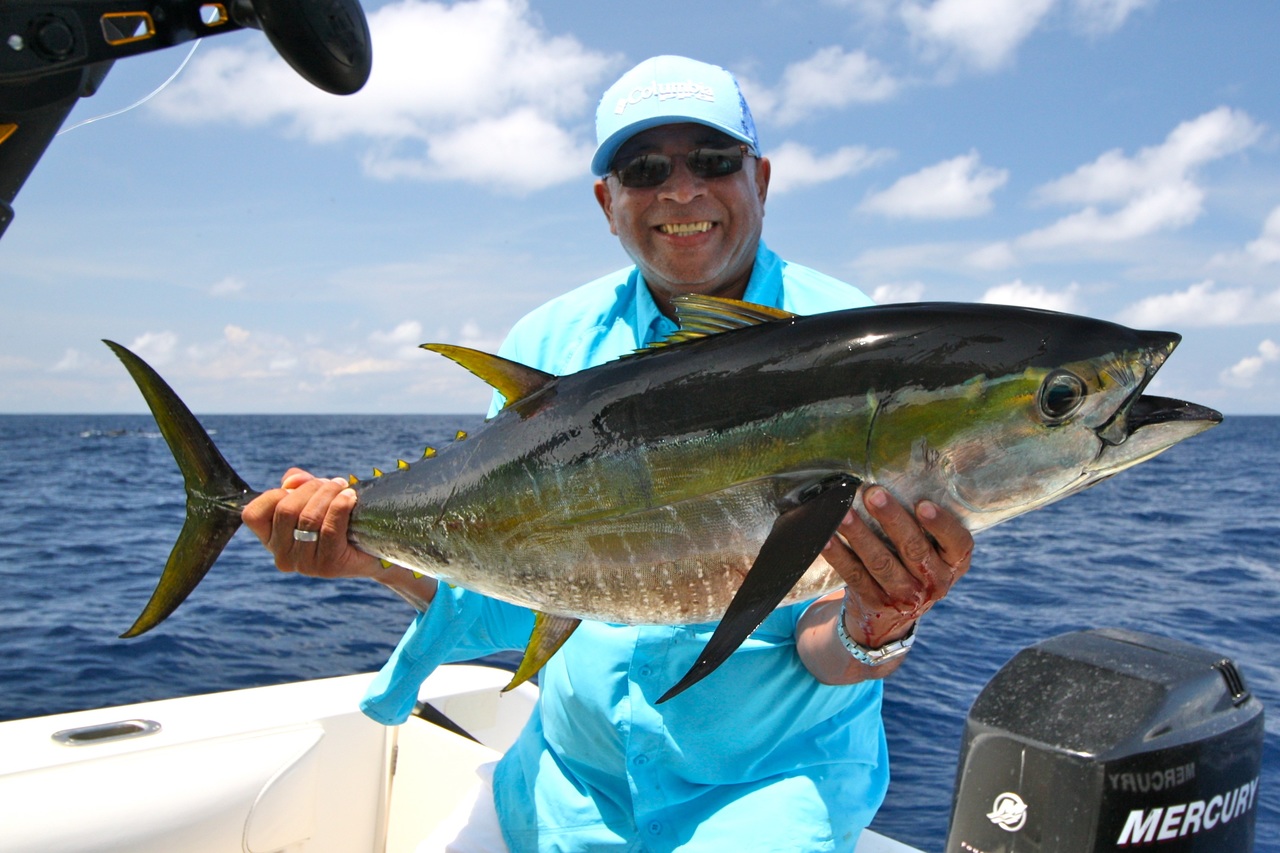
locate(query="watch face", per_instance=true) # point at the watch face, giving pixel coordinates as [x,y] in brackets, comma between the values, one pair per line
[890,652]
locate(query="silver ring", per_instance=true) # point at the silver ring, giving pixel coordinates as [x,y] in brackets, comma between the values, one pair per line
[305,535]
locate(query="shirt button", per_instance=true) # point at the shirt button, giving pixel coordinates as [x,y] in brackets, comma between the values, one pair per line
[655,828]
[645,672]
[640,760]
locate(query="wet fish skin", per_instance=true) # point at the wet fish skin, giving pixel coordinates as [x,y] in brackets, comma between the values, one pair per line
[641,491]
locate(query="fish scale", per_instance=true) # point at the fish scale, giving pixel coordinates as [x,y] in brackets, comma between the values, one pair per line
[699,481]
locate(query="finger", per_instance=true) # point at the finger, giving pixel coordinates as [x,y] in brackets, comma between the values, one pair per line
[259,513]
[294,478]
[954,541]
[878,557]
[840,556]
[311,518]
[288,513]
[331,551]
[915,549]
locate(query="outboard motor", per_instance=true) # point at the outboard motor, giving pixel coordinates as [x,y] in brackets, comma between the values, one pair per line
[1109,740]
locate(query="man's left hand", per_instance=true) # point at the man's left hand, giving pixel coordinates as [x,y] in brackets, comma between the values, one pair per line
[892,583]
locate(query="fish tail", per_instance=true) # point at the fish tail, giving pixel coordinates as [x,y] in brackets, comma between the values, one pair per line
[215,494]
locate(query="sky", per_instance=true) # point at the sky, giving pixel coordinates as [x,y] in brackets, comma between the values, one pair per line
[270,248]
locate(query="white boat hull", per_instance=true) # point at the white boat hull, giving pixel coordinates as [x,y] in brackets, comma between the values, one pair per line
[293,768]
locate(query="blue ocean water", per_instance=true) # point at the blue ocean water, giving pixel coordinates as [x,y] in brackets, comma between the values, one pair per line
[1186,546]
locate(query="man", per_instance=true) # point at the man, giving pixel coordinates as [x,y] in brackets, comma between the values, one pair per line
[782,748]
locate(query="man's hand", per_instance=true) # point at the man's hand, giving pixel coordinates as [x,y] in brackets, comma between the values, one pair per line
[323,507]
[310,504]
[889,584]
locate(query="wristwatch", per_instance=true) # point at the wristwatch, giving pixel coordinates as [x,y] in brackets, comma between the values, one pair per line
[873,657]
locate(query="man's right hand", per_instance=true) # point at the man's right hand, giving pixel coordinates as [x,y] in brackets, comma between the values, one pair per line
[308,503]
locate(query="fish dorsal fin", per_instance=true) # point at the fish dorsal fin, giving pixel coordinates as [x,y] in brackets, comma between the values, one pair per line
[513,380]
[703,316]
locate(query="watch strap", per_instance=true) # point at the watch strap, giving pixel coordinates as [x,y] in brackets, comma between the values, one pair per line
[873,657]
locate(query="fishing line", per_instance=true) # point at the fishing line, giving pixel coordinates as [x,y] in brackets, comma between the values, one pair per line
[141,101]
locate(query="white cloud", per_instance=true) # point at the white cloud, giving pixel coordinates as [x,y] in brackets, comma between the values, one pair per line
[994,256]
[1243,373]
[907,291]
[1155,190]
[409,332]
[71,361]
[1018,292]
[981,33]
[235,335]
[228,286]
[1266,249]
[829,79]
[954,189]
[471,335]
[157,348]
[796,165]
[522,151]
[1203,304]
[1099,17]
[452,87]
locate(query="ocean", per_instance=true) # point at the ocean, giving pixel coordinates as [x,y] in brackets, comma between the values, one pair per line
[1186,546]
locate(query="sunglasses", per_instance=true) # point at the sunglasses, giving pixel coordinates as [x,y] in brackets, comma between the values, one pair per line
[651,170]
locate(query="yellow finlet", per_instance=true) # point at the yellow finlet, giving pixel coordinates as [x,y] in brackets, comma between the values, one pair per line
[352,479]
[402,465]
[386,564]
[428,453]
[460,435]
[377,473]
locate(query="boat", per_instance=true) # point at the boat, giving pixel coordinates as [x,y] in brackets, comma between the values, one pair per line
[289,768]
[1087,741]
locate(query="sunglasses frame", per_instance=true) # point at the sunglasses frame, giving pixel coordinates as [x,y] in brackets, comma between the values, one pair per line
[743,150]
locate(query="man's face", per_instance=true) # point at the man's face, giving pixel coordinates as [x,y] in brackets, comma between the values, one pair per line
[689,234]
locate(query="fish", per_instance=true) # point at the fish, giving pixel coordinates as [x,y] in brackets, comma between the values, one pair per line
[698,480]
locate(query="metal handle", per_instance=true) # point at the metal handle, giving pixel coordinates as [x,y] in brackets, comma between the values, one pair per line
[106,732]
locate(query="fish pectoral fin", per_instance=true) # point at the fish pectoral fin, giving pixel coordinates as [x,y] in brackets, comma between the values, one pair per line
[513,380]
[549,634]
[797,538]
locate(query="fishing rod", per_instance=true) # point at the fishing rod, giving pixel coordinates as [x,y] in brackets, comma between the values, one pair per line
[52,54]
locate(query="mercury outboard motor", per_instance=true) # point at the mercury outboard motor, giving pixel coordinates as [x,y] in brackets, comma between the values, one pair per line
[1109,740]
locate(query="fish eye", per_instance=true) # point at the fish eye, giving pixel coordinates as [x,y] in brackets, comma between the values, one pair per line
[1061,395]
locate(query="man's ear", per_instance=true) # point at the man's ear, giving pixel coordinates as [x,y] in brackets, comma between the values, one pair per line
[605,199]
[763,170]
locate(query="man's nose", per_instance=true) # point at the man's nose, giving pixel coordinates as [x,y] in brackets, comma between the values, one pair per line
[682,185]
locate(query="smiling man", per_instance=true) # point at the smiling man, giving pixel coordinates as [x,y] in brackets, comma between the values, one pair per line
[782,749]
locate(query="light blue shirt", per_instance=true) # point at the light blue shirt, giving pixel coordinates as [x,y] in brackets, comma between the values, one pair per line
[758,756]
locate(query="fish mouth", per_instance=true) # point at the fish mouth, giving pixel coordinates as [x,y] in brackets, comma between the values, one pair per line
[1133,413]
[1145,425]
[1153,425]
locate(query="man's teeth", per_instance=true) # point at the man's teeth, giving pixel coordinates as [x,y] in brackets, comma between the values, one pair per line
[682,228]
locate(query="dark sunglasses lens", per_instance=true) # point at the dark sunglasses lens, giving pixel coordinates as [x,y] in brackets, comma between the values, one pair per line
[715,162]
[647,170]
[651,170]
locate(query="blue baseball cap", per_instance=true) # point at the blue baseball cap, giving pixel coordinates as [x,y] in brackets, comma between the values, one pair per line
[669,90]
